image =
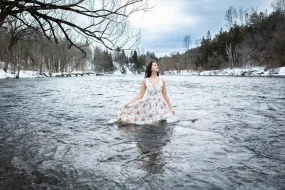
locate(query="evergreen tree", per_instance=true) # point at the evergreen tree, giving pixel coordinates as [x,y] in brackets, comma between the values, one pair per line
[136,65]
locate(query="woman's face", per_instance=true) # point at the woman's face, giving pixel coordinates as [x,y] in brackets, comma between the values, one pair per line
[154,67]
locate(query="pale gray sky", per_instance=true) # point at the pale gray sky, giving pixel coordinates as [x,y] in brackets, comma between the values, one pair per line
[169,21]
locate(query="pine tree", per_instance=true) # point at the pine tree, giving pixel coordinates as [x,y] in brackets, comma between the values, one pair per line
[110,63]
[136,67]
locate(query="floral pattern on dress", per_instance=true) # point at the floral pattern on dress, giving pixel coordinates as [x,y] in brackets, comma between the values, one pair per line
[150,109]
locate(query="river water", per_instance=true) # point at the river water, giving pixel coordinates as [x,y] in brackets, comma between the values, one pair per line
[228,133]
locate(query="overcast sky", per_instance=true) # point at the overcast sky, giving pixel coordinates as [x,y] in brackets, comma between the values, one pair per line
[164,27]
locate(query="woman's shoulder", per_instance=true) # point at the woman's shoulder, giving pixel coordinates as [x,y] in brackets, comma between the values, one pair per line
[161,79]
[144,80]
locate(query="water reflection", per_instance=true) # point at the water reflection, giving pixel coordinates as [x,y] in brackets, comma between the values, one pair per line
[150,139]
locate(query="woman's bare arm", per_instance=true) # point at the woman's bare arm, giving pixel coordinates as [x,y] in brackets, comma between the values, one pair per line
[165,96]
[140,95]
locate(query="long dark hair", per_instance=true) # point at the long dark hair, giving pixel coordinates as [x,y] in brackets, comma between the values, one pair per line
[148,69]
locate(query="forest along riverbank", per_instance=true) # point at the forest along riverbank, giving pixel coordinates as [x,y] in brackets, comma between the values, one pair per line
[255,71]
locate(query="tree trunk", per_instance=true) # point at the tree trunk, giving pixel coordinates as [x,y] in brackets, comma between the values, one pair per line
[18,74]
[10,59]
[2,19]
[41,66]
[5,69]
[75,66]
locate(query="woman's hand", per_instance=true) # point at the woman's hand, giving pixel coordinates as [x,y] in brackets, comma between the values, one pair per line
[172,111]
[126,106]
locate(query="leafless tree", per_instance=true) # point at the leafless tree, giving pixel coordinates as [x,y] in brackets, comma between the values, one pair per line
[177,61]
[229,16]
[186,44]
[235,15]
[232,54]
[166,64]
[278,5]
[104,22]
[14,32]
[241,14]
[198,42]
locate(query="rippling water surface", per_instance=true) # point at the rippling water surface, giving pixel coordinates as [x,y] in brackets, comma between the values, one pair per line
[228,133]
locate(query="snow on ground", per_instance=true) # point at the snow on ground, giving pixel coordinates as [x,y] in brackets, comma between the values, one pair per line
[5,75]
[128,72]
[23,74]
[118,72]
[254,71]
[282,71]
[36,74]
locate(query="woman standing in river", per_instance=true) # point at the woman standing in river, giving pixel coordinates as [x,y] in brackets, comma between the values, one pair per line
[152,104]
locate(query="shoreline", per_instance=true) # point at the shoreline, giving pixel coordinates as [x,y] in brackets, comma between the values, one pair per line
[235,72]
[263,76]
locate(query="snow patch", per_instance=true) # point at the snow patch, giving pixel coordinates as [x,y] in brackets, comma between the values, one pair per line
[282,71]
[253,71]
[118,71]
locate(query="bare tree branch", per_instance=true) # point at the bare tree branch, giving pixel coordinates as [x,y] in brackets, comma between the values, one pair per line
[56,18]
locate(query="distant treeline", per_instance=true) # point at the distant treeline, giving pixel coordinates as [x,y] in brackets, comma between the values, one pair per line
[34,52]
[252,38]
[21,49]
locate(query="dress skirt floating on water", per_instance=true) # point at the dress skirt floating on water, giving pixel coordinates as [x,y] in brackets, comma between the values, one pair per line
[150,109]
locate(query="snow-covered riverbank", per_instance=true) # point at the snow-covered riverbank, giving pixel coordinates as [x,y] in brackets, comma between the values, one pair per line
[254,71]
[36,74]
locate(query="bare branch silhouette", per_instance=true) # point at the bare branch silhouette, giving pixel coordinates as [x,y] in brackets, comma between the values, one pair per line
[104,22]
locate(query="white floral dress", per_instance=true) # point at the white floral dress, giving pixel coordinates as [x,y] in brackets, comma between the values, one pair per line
[149,109]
